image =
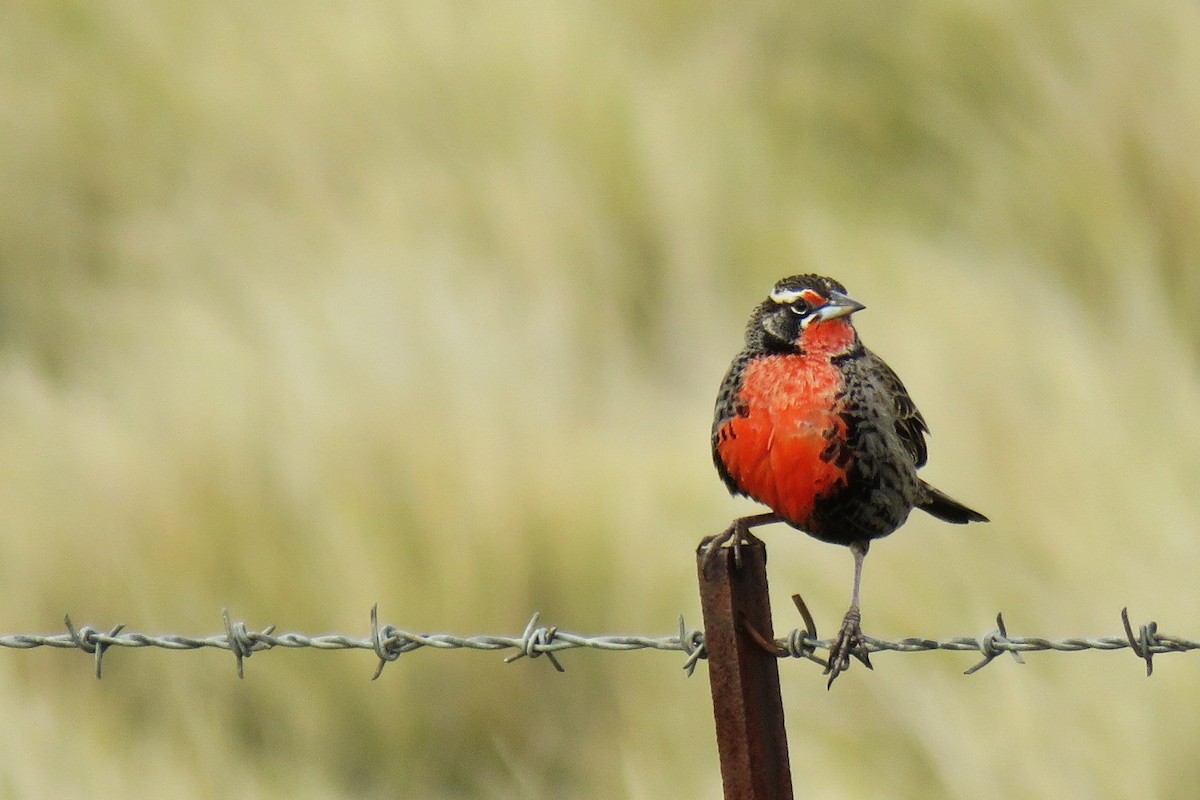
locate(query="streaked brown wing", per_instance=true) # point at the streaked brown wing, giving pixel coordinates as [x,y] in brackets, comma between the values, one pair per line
[910,425]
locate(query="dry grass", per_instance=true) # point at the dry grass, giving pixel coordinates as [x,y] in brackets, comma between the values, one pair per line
[308,308]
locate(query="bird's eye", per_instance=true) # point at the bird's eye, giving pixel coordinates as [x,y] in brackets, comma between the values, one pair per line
[799,308]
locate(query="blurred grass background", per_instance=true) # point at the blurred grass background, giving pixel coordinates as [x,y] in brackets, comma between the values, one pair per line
[304,307]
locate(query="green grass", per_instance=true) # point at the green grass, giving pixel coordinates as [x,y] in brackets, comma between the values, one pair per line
[304,308]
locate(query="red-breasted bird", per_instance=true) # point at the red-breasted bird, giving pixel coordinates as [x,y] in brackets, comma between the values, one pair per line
[815,426]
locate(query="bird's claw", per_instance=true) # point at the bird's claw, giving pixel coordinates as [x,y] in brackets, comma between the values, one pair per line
[735,535]
[849,642]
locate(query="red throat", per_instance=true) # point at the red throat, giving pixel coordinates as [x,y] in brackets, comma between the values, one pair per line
[828,338]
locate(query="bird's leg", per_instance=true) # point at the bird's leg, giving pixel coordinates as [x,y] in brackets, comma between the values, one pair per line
[737,532]
[849,641]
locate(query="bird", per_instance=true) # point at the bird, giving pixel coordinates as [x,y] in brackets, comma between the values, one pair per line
[819,429]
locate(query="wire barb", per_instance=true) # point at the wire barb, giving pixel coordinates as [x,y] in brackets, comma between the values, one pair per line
[89,640]
[994,643]
[802,643]
[383,642]
[242,642]
[1147,639]
[692,643]
[536,642]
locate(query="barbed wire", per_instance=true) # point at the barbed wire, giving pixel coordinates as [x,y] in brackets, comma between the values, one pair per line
[389,642]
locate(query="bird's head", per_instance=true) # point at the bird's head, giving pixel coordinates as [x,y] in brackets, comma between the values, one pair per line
[809,313]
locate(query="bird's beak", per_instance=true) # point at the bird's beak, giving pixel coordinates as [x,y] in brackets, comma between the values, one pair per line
[838,305]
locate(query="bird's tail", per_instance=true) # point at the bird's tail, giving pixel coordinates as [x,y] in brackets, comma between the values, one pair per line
[946,508]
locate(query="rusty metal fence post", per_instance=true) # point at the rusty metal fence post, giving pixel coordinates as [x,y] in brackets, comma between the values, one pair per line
[744,676]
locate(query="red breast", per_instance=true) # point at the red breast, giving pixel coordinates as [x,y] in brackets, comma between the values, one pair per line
[777,449]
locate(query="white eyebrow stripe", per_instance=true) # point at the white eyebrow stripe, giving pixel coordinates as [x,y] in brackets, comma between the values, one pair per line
[785,296]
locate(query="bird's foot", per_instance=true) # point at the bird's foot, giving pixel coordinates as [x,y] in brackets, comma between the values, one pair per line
[849,642]
[735,535]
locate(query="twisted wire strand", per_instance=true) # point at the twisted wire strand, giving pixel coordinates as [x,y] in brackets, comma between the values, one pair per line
[389,642]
